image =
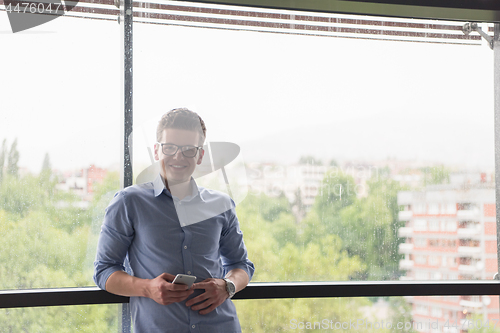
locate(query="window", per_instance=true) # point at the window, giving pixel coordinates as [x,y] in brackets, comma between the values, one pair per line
[451,226]
[420,242]
[433,260]
[433,208]
[420,225]
[433,225]
[420,259]
[314,188]
[420,208]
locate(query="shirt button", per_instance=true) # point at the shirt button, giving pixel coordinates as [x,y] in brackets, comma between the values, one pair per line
[193,326]
[189,272]
[185,247]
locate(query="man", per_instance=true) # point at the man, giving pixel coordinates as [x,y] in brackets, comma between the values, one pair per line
[171,226]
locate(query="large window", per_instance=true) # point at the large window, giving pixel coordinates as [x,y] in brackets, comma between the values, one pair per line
[60,149]
[366,148]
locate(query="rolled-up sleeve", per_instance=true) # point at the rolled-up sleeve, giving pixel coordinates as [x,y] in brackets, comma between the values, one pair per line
[115,238]
[232,247]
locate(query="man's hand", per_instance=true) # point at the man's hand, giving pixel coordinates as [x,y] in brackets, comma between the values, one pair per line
[164,292]
[215,294]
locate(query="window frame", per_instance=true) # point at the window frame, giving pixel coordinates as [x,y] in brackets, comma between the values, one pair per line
[426,9]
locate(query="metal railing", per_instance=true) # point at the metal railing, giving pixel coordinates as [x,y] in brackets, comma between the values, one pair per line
[265,290]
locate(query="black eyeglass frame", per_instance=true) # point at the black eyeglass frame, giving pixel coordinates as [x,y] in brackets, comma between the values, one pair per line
[179,147]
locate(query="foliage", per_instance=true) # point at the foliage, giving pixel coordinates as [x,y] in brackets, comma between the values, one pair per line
[3,153]
[401,313]
[436,175]
[367,226]
[309,159]
[476,323]
[50,242]
[280,252]
[47,242]
[12,167]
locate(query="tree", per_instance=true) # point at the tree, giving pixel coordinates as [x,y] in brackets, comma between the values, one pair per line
[46,163]
[280,252]
[367,226]
[476,323]
[3,153]
[12,167]
[400,311]
[333,163]
[436,175]
[44,247]
[298,206]
[309,159]
[46,173]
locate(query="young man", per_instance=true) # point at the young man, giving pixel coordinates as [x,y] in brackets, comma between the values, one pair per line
[171,226]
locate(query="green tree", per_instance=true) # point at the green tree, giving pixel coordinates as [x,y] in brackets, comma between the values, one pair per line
[333,163]
[298,206]
[309,159]
[400,313]
[12,167]
[337,190]
[3,153]
[436,175]
[47,241]
[46,163]
[476,323]
[277,246]
[367,226]
[18,196]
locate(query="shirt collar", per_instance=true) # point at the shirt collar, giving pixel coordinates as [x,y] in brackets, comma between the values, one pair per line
[159,186]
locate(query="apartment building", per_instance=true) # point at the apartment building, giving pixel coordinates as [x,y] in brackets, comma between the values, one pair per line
[82,183]
[450,233]
[302,180]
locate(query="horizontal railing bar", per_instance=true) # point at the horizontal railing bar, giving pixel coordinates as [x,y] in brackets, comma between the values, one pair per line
[264,290]
[57,297]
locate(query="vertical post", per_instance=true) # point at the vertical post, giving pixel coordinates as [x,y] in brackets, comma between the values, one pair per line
[126,22]
[496,74]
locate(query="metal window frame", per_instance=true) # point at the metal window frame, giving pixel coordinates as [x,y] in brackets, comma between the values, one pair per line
[466,10]
[264,290]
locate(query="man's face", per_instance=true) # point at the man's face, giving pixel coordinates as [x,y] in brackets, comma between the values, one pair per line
[178,168]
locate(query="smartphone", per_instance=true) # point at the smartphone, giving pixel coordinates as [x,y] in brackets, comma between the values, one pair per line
[188,280]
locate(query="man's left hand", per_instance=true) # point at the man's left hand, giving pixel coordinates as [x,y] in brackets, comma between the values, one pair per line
[215,294]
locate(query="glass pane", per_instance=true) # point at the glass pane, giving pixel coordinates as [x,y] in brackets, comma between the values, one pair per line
[60,134]
[367,143]
[59,319]
[390,314]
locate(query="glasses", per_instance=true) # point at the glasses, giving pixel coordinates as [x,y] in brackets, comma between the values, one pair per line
[170,149]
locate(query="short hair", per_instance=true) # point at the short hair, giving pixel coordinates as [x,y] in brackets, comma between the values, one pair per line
[181,118]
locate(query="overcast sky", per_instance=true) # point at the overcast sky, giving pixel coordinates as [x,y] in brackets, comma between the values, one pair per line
[278,96]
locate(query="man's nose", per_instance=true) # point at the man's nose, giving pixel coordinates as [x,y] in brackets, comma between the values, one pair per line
[178,155]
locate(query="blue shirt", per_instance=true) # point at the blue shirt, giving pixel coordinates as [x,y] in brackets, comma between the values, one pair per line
[142,221]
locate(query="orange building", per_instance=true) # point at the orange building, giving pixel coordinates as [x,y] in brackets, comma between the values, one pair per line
[450,234]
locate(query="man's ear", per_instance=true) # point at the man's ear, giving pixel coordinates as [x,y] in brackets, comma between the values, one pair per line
[200,158]
[157,147]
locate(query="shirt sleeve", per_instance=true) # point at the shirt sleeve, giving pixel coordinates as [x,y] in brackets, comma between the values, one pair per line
[232,247]
[115,238]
